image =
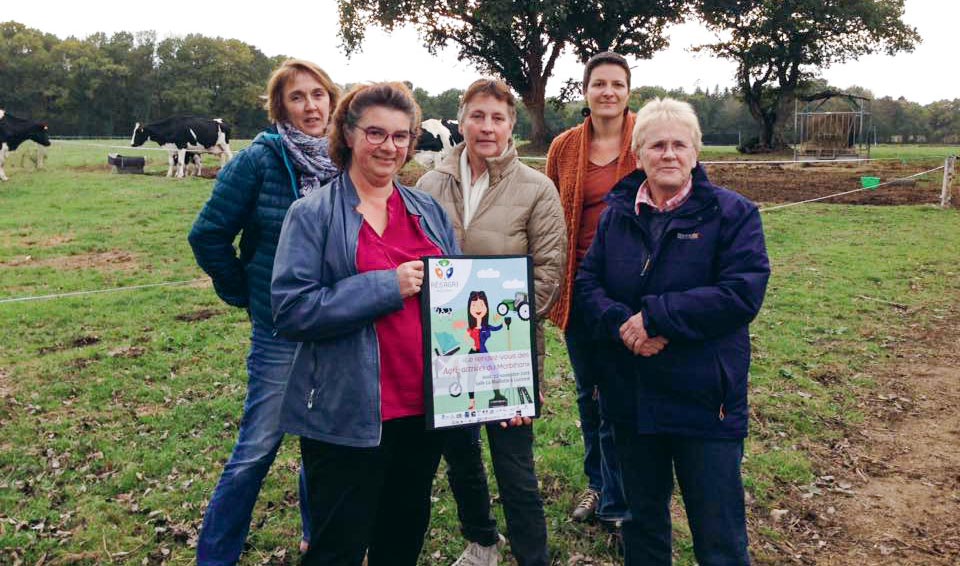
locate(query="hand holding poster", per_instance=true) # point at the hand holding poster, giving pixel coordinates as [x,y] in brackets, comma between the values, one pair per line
[479,339]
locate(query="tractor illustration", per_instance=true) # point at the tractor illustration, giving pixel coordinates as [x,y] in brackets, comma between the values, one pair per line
[520,303]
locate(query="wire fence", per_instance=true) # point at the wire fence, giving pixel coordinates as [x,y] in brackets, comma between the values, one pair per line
[872,187]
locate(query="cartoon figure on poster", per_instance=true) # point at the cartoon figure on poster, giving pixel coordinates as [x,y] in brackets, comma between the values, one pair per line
[480,340]
[479,330]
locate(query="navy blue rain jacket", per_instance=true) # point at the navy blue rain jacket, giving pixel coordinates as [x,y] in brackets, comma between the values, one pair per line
[251,197]
[699,285]
[321,300]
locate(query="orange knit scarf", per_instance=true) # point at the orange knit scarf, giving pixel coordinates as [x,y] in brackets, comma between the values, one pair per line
[567,166]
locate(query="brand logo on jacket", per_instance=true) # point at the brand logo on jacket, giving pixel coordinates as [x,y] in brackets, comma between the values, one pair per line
[690,236]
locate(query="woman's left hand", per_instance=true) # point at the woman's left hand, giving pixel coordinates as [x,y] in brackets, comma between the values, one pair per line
[635,338]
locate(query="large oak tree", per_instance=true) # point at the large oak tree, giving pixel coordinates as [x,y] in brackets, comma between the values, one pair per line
[779,44]
[519,40]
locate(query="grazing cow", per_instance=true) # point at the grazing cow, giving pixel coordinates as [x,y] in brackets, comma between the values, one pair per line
[182,133]
[14,131]
[436,141]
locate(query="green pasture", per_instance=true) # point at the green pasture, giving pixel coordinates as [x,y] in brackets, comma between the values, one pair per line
[118,410]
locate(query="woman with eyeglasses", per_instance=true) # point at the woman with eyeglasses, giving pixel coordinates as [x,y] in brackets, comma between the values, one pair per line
[346,283]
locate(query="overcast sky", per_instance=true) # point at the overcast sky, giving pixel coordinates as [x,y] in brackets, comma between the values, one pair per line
[308,30]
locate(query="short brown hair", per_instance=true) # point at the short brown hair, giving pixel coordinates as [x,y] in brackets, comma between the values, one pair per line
[284,74]
[392,95]
[488,87]
[604,58]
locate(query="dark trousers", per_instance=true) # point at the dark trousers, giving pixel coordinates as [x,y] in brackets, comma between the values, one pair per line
[600,463]
[373,500]
[708,471]
[511,450]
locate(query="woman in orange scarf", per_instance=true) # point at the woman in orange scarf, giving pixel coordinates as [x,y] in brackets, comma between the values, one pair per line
[584,163]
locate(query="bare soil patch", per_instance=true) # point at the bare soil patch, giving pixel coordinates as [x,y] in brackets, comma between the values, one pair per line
[78,342]
[888,493]
[51,242]
[113,260]
[202,314]
[5,389]
[793,183]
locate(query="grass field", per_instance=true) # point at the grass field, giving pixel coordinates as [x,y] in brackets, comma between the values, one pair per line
[118,409]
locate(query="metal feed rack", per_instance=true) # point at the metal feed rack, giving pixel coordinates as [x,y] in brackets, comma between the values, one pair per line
[827,134]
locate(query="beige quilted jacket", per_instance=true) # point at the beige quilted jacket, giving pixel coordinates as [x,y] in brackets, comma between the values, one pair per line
[520,213]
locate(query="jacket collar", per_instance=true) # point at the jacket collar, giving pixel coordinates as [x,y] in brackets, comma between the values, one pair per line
[623,196]
[352,198]
[270,138]
[497,167]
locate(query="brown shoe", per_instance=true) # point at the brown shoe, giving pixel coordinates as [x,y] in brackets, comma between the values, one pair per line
[587,506]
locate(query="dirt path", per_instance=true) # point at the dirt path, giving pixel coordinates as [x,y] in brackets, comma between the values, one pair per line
[890,493]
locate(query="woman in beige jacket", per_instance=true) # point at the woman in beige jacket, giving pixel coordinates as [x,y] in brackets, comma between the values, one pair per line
[498,206]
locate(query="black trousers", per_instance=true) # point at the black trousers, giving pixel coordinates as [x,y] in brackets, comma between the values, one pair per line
[371,500]
[511,450]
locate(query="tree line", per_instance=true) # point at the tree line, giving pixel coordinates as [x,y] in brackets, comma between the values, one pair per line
[101,85]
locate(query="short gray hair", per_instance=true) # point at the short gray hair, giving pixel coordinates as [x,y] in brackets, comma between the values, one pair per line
[665,110]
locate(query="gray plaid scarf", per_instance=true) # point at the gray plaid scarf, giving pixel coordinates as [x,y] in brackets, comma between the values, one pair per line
[310,157]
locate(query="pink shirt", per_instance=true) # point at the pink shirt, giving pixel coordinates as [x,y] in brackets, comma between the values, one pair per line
[400,333]
[673,203]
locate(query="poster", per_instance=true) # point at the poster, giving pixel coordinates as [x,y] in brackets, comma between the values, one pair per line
[479,341]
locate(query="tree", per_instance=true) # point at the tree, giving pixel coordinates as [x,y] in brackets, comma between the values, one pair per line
[779,44]
[519,40]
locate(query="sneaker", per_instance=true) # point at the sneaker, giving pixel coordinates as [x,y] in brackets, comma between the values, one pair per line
[478,555]
[587,507]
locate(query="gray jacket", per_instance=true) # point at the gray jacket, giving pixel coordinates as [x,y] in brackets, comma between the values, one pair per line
[319,299]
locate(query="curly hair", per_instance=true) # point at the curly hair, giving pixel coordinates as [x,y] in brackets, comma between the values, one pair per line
[392,95]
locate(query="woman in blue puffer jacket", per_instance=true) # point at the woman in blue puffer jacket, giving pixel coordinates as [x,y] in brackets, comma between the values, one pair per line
[251,198]
[676,272]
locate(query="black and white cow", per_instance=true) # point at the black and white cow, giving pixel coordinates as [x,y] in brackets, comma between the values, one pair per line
[14,131]
[182,133]
[436,141]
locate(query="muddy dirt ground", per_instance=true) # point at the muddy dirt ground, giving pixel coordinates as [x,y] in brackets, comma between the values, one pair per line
[888,492]
[770,184]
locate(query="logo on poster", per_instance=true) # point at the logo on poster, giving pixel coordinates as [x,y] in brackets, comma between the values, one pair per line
[443,270]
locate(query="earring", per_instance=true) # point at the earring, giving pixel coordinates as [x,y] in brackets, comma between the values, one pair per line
[585,111]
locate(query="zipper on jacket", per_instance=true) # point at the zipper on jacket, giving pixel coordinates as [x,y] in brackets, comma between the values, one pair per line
[646,266]
[722,415]
[310,399]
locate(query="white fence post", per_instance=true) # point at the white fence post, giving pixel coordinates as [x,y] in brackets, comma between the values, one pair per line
[946,195]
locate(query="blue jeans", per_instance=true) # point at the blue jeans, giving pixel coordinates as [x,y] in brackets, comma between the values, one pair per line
[227,519]
[600,463]
[708,471]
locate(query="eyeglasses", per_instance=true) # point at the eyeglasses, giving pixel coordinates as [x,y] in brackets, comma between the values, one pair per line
[377,136]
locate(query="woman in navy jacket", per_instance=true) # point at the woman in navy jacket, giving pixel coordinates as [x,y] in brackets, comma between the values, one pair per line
[676,272]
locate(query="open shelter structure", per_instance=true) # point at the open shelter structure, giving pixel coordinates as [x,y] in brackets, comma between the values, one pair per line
[831,125]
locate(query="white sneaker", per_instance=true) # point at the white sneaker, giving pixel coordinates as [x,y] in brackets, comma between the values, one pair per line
[478,555]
